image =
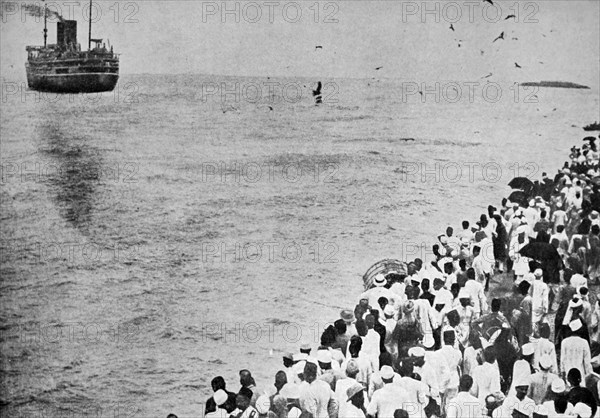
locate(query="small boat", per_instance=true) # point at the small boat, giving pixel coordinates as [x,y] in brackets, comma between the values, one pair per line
[64,68]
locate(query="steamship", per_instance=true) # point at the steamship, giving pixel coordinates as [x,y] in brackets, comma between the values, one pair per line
[64,68]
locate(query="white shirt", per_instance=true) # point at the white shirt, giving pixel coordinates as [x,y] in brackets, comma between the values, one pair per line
[386,400]
[486,381]
[575,353]
[465,405]
[478,299]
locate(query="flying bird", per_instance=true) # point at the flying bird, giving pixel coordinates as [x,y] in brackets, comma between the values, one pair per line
[378,68]
[271,108]
[451,27]
[517,65]
[501,36]
[318,47]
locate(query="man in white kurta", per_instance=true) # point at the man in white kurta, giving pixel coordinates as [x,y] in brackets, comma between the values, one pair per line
[386,400]
[465,405]
[575,352]
[539,296]
[486,377]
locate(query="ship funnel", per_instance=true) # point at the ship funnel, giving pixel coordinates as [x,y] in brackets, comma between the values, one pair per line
[66,32]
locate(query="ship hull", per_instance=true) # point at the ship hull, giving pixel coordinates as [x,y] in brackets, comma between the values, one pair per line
[72,83]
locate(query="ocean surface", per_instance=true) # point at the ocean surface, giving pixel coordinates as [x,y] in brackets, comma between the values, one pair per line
[184,227]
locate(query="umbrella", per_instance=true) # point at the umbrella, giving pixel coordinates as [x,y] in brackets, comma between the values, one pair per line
[519,196]
[521,183]
[547,255]
[541,251]
[384,267]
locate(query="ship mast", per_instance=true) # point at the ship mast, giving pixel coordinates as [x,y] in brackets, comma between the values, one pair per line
[90,30]
[45,24]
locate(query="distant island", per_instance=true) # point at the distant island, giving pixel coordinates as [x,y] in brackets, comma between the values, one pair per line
[557,84]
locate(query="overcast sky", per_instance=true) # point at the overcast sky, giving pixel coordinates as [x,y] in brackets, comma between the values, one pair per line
[556,40]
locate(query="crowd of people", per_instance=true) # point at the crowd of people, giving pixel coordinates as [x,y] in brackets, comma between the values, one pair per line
[440,339]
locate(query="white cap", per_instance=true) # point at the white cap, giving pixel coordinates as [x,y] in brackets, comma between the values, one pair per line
[581,410]
[428,341]
[416,352]
[323,356]
[220,397]
[528,349]
[538,273]
[263,404]
[389,310]
[386,372]
[558,386]
[546,362]
[575,325]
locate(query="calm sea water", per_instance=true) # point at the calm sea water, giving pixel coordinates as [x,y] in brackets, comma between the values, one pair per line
[156,237]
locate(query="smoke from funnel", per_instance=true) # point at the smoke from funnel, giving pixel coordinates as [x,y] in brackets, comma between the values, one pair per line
[35,10]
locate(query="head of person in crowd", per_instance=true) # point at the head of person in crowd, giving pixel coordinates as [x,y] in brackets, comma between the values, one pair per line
[545,330]
[310,372]
[448,268]
[532,265]
[288,360]
[328,336]
[352,369]
[455,290]
[595,229]
[449,337]
[560,228]
[409,292]
[438,284]
[496,305]
[324,359]
[491,403]
[465,225]
[361,327]
[489,354]
[280,380]
[435,249]
[218,383]
[574,377]
[355,346]
[243,398]
[411,268]
[465,383]
[524,287]
[387,374]
[464,298]
[425,285]
[561,404]
[521,388]
[462,263]
[246,379]
[382,302]
[356,395]
[527,352]
[449,231]
[470,273]
[340,327]
[401,413]
[306,349]
[476,250]
[417,356]
[386,359]
[418,264]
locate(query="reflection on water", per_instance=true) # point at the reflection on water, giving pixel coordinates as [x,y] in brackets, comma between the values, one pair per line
[74,170]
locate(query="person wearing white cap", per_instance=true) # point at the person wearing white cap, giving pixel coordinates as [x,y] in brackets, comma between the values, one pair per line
[376,381]
[575,351]
[475,290]
[377,291]
[454,359]
[465,312]
[220,397]
[482,263]
[522,368]
[557,402]
[539,296]
[544,347]
[428,375]
[438,364]
[342,385]
[465,405]
[541,381]
[386,400]
[486,377]
[263,406]
[519,401]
